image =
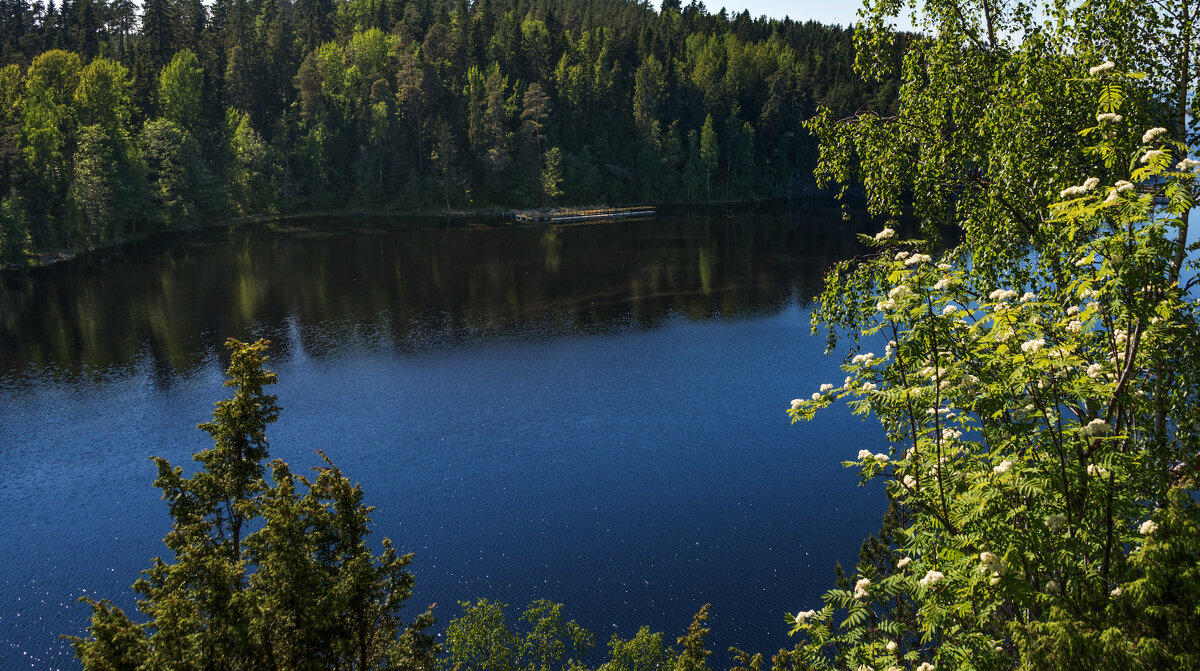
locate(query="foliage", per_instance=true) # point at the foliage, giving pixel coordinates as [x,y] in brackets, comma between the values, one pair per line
[176,174]
[251,167]
[103,95]
[401,105]
[1038,382]
[97,190]
[179,87]
[14,235]
[264,572]
[481,639]
[47,135]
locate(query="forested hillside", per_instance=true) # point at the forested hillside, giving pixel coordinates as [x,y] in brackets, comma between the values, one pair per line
[115,124]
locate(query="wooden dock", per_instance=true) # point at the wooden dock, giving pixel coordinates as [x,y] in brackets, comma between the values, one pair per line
[566,215]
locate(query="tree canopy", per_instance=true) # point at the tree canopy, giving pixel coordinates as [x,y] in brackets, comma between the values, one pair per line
[399,105]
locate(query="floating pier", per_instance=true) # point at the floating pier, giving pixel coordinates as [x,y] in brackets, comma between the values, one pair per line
[565,215]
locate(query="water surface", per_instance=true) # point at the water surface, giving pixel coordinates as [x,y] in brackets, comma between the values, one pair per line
[589,414]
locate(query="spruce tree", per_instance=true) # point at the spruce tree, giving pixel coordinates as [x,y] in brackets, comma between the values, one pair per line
[301,591]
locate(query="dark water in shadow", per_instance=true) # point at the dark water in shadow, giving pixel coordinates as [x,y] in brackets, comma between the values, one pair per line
[590,414]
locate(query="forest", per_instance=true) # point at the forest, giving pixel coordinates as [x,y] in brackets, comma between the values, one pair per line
[115,124]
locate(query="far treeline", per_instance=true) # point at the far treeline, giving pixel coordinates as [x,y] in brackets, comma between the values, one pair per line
[113,125]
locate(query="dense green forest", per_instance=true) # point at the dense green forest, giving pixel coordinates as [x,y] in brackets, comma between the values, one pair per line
[114,125]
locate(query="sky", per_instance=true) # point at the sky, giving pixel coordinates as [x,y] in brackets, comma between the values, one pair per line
[842,12]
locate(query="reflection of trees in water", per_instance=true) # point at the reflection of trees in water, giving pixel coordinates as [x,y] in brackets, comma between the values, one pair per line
[409,288]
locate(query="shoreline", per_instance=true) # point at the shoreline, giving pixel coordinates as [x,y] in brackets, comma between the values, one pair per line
[43,259]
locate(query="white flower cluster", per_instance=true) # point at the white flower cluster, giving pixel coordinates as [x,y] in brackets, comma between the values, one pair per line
[903,562]
[1075,326]
[804,616]
[891,646]
[864,454]
[816,396]
[1108,116]
[898,293]
[796,403]
[1095,470]
[863,358]
[1052,587]
[951,434]
[1148,527]
[1187,164]
[1096,427]
[1002,295]
[1153,134]
[860,588]
[1076,191]
[1031,346]
[916,258]
[949,310]
[1073,310]
[1094,371]
[931,578]
[990,563]
[869,386]
[1003,467]
[1106,65]
[1028,296]
[884,234]
[910,482]
[1056,522]
[942,283]
[1123,186]
[1152,155]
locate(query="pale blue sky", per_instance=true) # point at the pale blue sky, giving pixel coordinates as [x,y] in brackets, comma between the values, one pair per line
[842,12]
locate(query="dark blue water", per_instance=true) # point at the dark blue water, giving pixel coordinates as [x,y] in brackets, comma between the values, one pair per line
[593,415]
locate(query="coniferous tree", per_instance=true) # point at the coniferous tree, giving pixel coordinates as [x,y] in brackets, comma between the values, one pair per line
[300,590]
[154,50]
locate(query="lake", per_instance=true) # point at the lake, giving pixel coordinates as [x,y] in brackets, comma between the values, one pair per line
[593,414]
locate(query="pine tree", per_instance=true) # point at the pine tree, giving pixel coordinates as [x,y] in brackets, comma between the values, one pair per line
[301,591]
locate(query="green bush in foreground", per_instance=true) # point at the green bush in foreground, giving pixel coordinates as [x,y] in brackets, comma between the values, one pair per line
[1040,382]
